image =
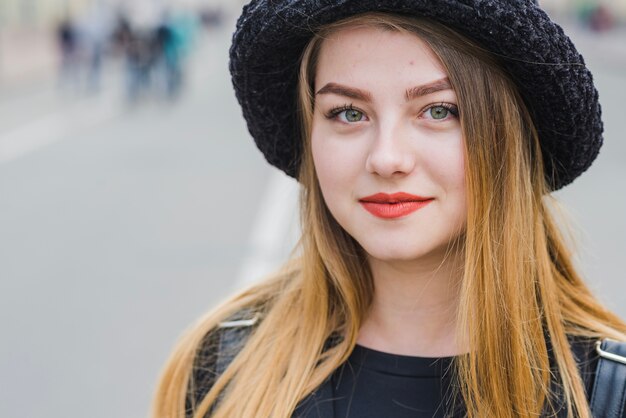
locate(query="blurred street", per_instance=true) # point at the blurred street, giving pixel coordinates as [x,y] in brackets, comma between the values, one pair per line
[122,221]
[120,225]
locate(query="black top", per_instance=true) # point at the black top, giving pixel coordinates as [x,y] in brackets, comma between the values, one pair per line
[373,384]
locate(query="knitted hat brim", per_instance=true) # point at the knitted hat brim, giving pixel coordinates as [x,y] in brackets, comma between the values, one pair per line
[550,73]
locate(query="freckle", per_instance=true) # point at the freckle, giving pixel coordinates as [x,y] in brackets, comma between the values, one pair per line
[411,62]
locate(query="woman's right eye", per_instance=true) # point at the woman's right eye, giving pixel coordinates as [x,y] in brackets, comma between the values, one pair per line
[347,114]
[352,115]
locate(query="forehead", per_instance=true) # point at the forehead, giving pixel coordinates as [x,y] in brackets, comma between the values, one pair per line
[378,55]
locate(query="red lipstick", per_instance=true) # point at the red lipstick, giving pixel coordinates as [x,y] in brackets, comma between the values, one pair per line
[396,205]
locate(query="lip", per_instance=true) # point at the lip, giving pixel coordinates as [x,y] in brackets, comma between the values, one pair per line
[396,205]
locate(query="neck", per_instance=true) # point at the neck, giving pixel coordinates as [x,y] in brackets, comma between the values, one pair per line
[413,311]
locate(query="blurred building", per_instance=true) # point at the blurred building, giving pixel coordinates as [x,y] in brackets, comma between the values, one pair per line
[575,7]
[37,13]
[29,25]
[44,13]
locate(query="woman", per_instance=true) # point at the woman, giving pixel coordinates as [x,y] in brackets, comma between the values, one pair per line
[432,279]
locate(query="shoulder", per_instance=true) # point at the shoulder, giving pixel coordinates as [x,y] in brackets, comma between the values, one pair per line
[223,343]
[218,349]
[233,333]
[608,396]
[602,365]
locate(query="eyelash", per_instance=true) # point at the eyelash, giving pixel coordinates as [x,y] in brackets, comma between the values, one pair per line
[334,112]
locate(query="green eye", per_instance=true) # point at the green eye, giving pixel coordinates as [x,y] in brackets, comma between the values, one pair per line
[347,115]
[439,112]
[353,115]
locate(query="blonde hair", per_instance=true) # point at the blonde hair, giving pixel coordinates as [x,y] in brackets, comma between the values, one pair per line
[520,294]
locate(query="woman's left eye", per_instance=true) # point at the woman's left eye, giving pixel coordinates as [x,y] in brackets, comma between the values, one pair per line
[441,111]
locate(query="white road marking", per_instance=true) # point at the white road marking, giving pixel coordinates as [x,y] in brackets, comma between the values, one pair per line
[275,230]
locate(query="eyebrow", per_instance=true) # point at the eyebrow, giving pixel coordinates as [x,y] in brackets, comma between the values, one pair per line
[351,92]
[410,94]
[432,87]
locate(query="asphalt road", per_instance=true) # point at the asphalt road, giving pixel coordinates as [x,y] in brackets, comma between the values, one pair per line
[119,225]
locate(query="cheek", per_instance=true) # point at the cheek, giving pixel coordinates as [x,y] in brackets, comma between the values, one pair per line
[327,162]
[456,172]
[446,161]
[456,184]
[328,166]
[338,162]
[447,166]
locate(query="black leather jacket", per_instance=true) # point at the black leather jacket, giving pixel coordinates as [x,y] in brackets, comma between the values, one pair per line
[221,346]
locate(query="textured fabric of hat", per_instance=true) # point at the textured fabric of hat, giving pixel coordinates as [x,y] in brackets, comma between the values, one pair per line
[552,76]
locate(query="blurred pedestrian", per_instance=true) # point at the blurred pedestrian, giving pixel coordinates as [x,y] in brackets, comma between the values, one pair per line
[136,32]
[67,40]
[169,49]
[601,19]
[96,30]
[175,37]
[431,278]
[140,59]
[211,17]
[122,34]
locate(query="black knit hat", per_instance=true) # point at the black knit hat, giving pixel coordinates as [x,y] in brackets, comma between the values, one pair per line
[552,76]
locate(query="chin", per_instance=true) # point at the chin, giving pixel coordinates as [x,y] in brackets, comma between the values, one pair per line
[387,252]
[400,252]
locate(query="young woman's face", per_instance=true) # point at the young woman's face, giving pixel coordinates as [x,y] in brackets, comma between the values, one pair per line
[387,143]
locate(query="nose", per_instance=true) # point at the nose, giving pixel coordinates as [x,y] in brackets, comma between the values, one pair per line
[390,154]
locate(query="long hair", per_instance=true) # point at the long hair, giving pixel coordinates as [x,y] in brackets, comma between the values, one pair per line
[520,297]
